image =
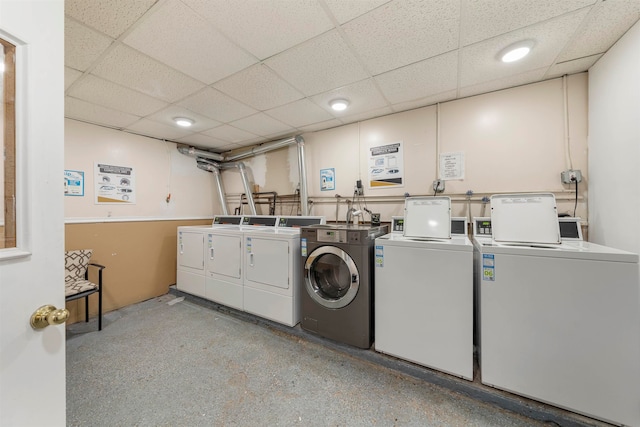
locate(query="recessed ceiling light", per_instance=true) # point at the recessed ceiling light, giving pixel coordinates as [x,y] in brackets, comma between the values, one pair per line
[183,122]
[339,104]
[516,51]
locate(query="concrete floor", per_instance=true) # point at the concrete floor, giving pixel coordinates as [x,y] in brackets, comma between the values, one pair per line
[174,362]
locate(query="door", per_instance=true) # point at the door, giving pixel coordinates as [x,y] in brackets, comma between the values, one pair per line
[224,255]
[32,362]
[331,277]
[267,261]
[191,249]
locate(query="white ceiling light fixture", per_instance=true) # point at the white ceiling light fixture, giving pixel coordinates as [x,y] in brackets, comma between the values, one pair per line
[183,122]
[339,104]
[516,51]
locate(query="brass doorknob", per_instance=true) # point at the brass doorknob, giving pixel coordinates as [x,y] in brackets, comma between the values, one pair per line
[48,315]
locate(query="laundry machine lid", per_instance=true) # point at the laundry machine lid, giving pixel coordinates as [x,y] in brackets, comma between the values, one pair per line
[577,250]
[428,217]
[455,243]
[525,218]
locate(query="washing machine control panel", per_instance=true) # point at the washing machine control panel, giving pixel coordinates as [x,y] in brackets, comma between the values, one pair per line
[482,227]
[332,236]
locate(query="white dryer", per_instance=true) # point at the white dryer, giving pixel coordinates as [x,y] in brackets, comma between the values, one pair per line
[272,266]
[559,323]
[190,272]
[424,291]
[224,260]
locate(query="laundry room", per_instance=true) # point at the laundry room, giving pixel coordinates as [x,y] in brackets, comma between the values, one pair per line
[513,141]
[268,174]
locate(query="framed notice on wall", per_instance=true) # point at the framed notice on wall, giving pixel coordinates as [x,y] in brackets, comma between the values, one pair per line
[73,183]
[386,165]
[114,184]
[327,179]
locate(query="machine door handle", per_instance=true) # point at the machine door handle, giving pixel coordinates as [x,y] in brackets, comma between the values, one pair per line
[211,252]
[48,315]
[251,259]
[354,278]
[181,248]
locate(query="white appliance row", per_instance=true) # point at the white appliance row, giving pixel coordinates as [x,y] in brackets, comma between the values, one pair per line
[250,263]
[556,319]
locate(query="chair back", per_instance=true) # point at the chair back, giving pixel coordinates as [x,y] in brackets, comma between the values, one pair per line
[76,263]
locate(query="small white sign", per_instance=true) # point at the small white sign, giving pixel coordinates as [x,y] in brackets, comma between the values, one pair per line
[452,166]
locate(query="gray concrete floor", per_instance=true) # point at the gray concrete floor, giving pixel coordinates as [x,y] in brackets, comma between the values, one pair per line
[164,362]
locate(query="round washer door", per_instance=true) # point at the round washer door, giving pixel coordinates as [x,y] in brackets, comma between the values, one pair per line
[331,277]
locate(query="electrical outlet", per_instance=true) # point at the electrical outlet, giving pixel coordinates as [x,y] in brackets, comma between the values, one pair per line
[570,176]
[438,185]
[359,191]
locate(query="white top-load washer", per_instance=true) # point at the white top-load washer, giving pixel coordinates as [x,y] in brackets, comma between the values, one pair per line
[559,322]
[272,279]
[224,260]
[424,289]
[190,272]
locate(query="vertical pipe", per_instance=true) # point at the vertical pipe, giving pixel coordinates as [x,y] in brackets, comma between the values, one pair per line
[220,188]
[302,170]
[247,189]
[565,102]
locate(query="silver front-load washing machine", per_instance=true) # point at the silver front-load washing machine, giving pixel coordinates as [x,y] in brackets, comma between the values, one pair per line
[337,300]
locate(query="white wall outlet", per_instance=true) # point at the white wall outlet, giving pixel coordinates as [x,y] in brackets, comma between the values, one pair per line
[438,185]
[569,176]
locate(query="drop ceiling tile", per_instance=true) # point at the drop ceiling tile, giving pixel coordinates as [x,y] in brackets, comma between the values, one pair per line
[403,32]
[156,130]
[70,76]
[179,37]
[321,126]
[422,79]
[318,65]
[216,105]
[502,83]
[601,29]
[82,45]
[112,17]
[265,27]
[423,102]
[167,115]
[572,67]
[506,16]
[362,96]
[299,113]
[102,92]
[258,87]
[132,69]
[479,63]
[345,11]
[261,124]
[366,115]
[230,134]
[203,141]
[85,111]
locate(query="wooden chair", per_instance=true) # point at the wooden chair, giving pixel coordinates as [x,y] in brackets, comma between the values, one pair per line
[76,280]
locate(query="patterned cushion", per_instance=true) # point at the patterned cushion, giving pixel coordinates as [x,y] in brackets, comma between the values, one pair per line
[72,287]
[76,263]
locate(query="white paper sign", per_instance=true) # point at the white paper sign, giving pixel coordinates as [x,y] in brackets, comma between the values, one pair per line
[452,166]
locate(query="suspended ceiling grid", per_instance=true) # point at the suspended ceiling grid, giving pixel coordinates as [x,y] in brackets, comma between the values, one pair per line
[249,71]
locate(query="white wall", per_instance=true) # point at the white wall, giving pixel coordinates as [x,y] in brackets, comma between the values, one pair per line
[159,168]
[614,145]
[513,141]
